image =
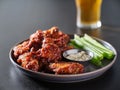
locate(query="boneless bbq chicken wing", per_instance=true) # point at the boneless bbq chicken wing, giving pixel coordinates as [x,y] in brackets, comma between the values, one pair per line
[47,40]
[29,61]
[57,37]
[35,40]
[51,33]
[21,48]
[66,68]
[62,42]
[54,33]
[51,52]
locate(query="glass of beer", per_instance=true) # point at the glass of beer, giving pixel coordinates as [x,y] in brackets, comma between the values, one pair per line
[88,13]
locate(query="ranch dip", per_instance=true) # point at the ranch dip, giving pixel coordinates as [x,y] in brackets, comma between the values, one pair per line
[80,56]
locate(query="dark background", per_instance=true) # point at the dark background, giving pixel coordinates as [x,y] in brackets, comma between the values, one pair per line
[20,18]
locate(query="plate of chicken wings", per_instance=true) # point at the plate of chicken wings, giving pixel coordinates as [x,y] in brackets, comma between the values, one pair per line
[41,57]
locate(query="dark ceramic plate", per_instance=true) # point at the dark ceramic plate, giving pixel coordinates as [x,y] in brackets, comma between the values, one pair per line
[91,71]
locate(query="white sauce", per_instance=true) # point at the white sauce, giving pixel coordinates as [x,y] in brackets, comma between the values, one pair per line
[80,56]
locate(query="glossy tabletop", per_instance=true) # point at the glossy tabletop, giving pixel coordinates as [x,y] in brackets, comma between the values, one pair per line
[20,18]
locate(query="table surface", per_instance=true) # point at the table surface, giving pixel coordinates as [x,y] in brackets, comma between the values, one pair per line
[20,18]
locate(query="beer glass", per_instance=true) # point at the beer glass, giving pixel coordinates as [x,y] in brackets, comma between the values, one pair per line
[88,13]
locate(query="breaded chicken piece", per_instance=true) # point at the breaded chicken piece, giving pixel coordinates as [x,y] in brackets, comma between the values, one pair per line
[29,61]
[21,48]
[35,40]
[51,52]
[66,68]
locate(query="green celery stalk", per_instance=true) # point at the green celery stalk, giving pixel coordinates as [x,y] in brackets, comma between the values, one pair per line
[72,43]
[89,47]
[97,55]
[107,52]
[96,60]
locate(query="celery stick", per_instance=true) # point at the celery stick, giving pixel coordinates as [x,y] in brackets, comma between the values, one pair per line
[72,42]
[90,39]
[96,60]
[93,41]
[102,51]
[90,47]
[107,52]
